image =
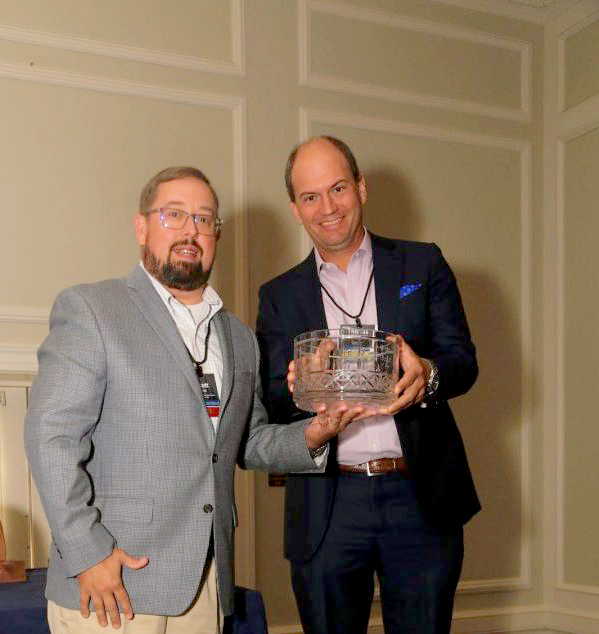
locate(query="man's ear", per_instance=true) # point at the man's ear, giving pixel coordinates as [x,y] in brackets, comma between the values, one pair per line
[296,213]
[140,224]
[362,190]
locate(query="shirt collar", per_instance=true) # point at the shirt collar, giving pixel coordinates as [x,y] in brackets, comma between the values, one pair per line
[210,296]
[364,250]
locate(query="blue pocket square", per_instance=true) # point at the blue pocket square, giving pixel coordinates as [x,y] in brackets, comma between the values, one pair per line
[408,289]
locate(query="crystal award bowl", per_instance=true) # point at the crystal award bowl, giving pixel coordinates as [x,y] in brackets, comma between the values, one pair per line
[347,365]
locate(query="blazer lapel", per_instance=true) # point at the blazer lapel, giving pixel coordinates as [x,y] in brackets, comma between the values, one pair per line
[148,301]
[225,340]
[387,275]
[310,307]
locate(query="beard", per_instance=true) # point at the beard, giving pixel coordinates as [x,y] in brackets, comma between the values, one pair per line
[184,276]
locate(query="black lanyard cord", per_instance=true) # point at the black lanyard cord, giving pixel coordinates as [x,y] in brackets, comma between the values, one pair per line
[356,317]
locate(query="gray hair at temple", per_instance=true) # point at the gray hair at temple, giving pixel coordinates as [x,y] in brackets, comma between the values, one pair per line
[340,145]
[148,193]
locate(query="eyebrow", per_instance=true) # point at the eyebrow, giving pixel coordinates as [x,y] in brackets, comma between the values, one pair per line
[180,203]
[309,192]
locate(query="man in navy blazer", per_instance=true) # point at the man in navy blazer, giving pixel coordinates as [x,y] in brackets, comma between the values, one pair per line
[397,488]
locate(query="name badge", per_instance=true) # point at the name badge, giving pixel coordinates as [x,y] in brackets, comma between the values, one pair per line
[210,394]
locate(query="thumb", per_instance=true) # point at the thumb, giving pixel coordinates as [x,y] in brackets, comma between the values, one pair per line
[133,562]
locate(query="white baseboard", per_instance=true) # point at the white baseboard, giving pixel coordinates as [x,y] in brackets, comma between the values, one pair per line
[534,619]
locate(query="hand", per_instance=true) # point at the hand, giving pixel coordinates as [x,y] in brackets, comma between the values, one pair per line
[411,388]
[102,584]
[319,361]
[328,423]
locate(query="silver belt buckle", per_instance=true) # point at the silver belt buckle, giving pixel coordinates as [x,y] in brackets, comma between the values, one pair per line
[369,472]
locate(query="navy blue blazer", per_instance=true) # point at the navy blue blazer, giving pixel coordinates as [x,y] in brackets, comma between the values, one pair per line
[417,297]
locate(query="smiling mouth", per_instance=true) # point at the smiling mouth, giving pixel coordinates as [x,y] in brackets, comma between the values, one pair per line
[186,250]
[331,223]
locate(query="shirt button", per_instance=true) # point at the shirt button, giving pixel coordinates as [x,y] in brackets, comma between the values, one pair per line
[208,508]
[214,457]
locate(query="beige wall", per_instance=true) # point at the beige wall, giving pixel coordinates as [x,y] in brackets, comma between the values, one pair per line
[478,131]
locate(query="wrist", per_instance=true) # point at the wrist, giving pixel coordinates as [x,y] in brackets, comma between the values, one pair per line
[318,451]
[432,382]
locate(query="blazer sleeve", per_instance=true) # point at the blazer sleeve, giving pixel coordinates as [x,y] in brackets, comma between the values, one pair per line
[451,347]
[278,448]
[64,408]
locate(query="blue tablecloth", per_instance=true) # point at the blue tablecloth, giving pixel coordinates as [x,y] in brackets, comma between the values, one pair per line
[23,608]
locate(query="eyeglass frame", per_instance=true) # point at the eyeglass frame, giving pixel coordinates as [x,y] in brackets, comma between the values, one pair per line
[161,210]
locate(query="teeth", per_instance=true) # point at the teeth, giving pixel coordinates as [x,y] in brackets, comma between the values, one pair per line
[332,222]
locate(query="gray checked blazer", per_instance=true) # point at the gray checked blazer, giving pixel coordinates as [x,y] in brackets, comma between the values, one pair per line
[124,453]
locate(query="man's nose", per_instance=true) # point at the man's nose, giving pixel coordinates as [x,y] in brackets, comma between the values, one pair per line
[328,205]
[189,228]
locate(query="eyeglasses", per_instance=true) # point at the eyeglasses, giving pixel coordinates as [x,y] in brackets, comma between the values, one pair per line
[206,224]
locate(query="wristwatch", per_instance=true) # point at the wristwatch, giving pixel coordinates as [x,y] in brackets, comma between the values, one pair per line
[433,381]
[314,453]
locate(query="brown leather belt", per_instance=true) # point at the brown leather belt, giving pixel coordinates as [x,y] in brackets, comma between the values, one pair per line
[378,467]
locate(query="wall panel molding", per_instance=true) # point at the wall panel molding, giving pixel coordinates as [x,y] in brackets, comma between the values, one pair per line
[236,105]
[561,583]
[23,315]
[539,12]
[524,151]
[561,63]
[117,86]
[15,358]
[325,82]
[235,67]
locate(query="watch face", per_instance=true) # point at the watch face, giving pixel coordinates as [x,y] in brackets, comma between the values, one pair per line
[433,382]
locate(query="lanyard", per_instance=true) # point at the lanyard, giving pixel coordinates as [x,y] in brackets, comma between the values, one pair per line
[356,317]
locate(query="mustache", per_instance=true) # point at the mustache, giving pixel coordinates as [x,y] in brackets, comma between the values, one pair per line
[186,243]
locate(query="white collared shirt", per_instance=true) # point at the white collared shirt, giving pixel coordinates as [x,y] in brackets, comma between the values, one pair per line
[377,436]
[192,322]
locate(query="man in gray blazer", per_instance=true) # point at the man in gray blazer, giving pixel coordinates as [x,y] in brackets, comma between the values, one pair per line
[148,394]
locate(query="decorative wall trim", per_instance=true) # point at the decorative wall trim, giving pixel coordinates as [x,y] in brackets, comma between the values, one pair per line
[523,148]
[540,619]
[539,12]
[235,67]
[561,583]
[37,74]
[325,82]
[236,105]
[15,358]
[562,619]
[27,315]
[561,64]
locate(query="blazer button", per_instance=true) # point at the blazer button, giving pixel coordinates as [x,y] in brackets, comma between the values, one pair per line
[214,457]
[208,508]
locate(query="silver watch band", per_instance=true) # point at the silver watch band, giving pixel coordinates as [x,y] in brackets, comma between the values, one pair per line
[433,380]
[314,453]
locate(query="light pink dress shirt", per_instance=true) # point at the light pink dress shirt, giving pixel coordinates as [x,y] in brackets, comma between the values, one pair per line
[375,437]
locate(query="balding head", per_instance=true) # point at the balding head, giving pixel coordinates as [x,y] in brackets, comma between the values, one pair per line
[342,147]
